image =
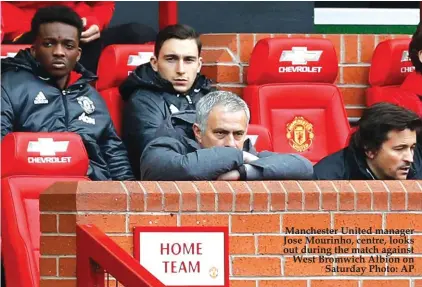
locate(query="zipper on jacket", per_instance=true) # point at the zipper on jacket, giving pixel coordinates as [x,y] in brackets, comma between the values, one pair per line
[189,99]
[370,173]
[66,114]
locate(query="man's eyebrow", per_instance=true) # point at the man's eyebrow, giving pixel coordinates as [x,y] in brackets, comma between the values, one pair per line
[403,145]
[171,55]
[219,130]
[178,56]
[54,38]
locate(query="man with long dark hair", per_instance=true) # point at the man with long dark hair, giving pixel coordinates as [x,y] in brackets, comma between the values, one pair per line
[383,147]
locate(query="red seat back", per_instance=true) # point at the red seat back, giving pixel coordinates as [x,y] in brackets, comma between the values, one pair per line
[260,137]
[389,67]
[115,64]
[118,61]
[115,106]
[11,50]
[290,91]
[30,163]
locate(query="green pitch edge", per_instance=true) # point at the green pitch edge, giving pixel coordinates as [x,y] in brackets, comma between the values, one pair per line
[365,29]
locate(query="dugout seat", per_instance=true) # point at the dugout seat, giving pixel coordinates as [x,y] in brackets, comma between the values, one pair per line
[11,50]
[260,137]
[389,67]
[115,64]
[290,91]
[30,163]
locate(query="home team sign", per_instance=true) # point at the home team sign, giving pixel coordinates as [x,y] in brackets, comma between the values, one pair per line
[184,256]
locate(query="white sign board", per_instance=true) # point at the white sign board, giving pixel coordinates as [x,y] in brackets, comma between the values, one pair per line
[184,256]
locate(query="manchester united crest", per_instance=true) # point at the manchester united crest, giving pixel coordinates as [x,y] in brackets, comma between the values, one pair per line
[86,104]
[300,134]
[213,272]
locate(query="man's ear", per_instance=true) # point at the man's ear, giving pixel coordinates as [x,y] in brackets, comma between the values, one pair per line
[420,56]
[79,53]
[200,64]
[32,51]
[154,63]
[197,132]
[370,154]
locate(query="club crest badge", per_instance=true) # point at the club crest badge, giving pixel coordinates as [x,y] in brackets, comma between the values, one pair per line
[300,134]
[87,104]
[213,272]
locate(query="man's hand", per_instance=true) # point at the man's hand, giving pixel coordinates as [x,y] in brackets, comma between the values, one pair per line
[90,34]
[231,175]
[248,157]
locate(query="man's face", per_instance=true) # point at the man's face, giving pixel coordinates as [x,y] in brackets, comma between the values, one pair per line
[224,128]
[395,156]
[178,62]
[57,49]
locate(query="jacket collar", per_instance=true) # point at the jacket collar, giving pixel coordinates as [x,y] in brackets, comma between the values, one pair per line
[356,163]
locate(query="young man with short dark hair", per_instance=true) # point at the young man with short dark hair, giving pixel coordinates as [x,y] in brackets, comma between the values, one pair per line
[44,88]
[383,147]
[96,35]
[168,84]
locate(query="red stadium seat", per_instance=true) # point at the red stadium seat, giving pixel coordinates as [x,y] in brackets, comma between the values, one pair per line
[30,163]
[393,80]
[392,77]
[389,67]
[115,64]
[260,137]
[11,50]
[291,92]
[118,61]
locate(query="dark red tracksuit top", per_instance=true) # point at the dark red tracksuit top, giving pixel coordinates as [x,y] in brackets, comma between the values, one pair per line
[412,101]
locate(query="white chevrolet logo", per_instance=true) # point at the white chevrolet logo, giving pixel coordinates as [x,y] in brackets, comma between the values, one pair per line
[300,56]
[405,56]
[10,54]
[47,146]
[141,58]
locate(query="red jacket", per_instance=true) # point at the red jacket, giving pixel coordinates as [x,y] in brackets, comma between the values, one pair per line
[17,15]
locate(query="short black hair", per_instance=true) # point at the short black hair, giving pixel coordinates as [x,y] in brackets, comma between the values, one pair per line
[177,31]
[55,13]
[378,120]
[414,47]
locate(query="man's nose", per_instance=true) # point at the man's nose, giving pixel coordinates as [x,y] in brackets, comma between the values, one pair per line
[230,141]
[58,50]
[180,67]
[408,156]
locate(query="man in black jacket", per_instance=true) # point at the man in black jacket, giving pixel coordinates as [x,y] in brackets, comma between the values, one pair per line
[169,83]
[210,144]
[383,147]
[38,94]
